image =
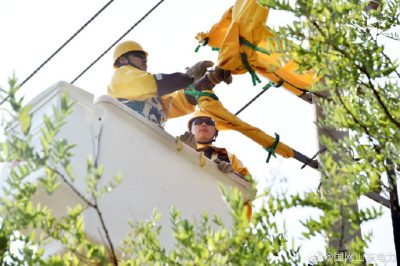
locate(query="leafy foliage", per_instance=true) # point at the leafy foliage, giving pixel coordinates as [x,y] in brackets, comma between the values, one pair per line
[212,242]
[346,44]
[40,162]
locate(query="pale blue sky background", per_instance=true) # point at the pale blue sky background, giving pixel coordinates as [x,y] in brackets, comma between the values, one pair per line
[31,30]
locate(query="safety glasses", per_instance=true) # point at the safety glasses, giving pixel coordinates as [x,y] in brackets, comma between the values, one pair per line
[201,120]
[139,54]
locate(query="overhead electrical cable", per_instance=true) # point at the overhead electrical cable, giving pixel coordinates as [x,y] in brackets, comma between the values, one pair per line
[264,89]
[114,43]
[66,42]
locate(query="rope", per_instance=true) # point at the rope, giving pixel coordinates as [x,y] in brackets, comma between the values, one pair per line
[119,39]
[264,89]
[196,94]
[271,150]
[66,42]
[262,50]
[253,46]
[254,78]
[203,43]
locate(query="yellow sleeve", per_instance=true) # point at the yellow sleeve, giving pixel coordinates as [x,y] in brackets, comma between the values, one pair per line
[176,104]
[218,31]
[227,120]
[238,166]
[132,84]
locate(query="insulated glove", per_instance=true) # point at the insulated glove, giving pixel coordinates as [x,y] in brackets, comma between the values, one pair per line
[218,74]
[223,166]
[189,139]
[199,69]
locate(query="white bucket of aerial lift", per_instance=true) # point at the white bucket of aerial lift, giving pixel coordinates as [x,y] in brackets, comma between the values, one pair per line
[154,173]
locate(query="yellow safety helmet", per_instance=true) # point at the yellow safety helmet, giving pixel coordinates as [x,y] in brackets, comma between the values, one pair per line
[196,114]
[127,46]
[200,113]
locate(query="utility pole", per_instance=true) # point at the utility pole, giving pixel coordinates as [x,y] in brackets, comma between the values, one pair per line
[347,233]
[394,207]
[341,244]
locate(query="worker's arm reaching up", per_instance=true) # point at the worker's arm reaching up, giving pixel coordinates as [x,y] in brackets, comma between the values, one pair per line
[154,96]
[168,83]
[132,83]
[178,103]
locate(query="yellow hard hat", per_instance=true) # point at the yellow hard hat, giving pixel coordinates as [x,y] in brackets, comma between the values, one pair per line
[127,46]
[200,113]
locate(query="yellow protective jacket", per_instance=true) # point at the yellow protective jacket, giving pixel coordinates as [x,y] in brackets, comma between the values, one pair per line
[241,32]
[134,84]
[226,120]
[237,165]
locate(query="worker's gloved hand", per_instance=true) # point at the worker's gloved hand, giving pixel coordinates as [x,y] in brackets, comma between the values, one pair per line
[189,139]
[223,166]
[203,84]
[199,69]
[218,74]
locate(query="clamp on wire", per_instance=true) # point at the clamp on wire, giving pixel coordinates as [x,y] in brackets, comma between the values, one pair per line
[311,162]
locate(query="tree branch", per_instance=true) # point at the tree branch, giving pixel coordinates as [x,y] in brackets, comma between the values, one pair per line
[389,170]
[95,206]
[363,70]
[88,202]
[364,127]
[103,225]
[379,99]
[383,53]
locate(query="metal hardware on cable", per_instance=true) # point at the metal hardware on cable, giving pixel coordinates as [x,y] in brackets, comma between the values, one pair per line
[196,94]
[271,150]
[265,88]
[119,39]
[312,158]
[66,42]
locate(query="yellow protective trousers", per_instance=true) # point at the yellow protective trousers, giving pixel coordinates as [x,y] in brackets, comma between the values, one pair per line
[245,43]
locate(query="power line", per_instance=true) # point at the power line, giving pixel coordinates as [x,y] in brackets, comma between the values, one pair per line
[114,43]
[66,42]
[250,102]
[265,88]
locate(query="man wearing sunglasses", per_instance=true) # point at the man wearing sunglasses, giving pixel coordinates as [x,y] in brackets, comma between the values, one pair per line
[157,96]
[202,132]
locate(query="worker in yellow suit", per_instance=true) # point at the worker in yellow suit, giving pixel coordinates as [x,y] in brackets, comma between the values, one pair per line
[201,134]
[204,133]
[155,96]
